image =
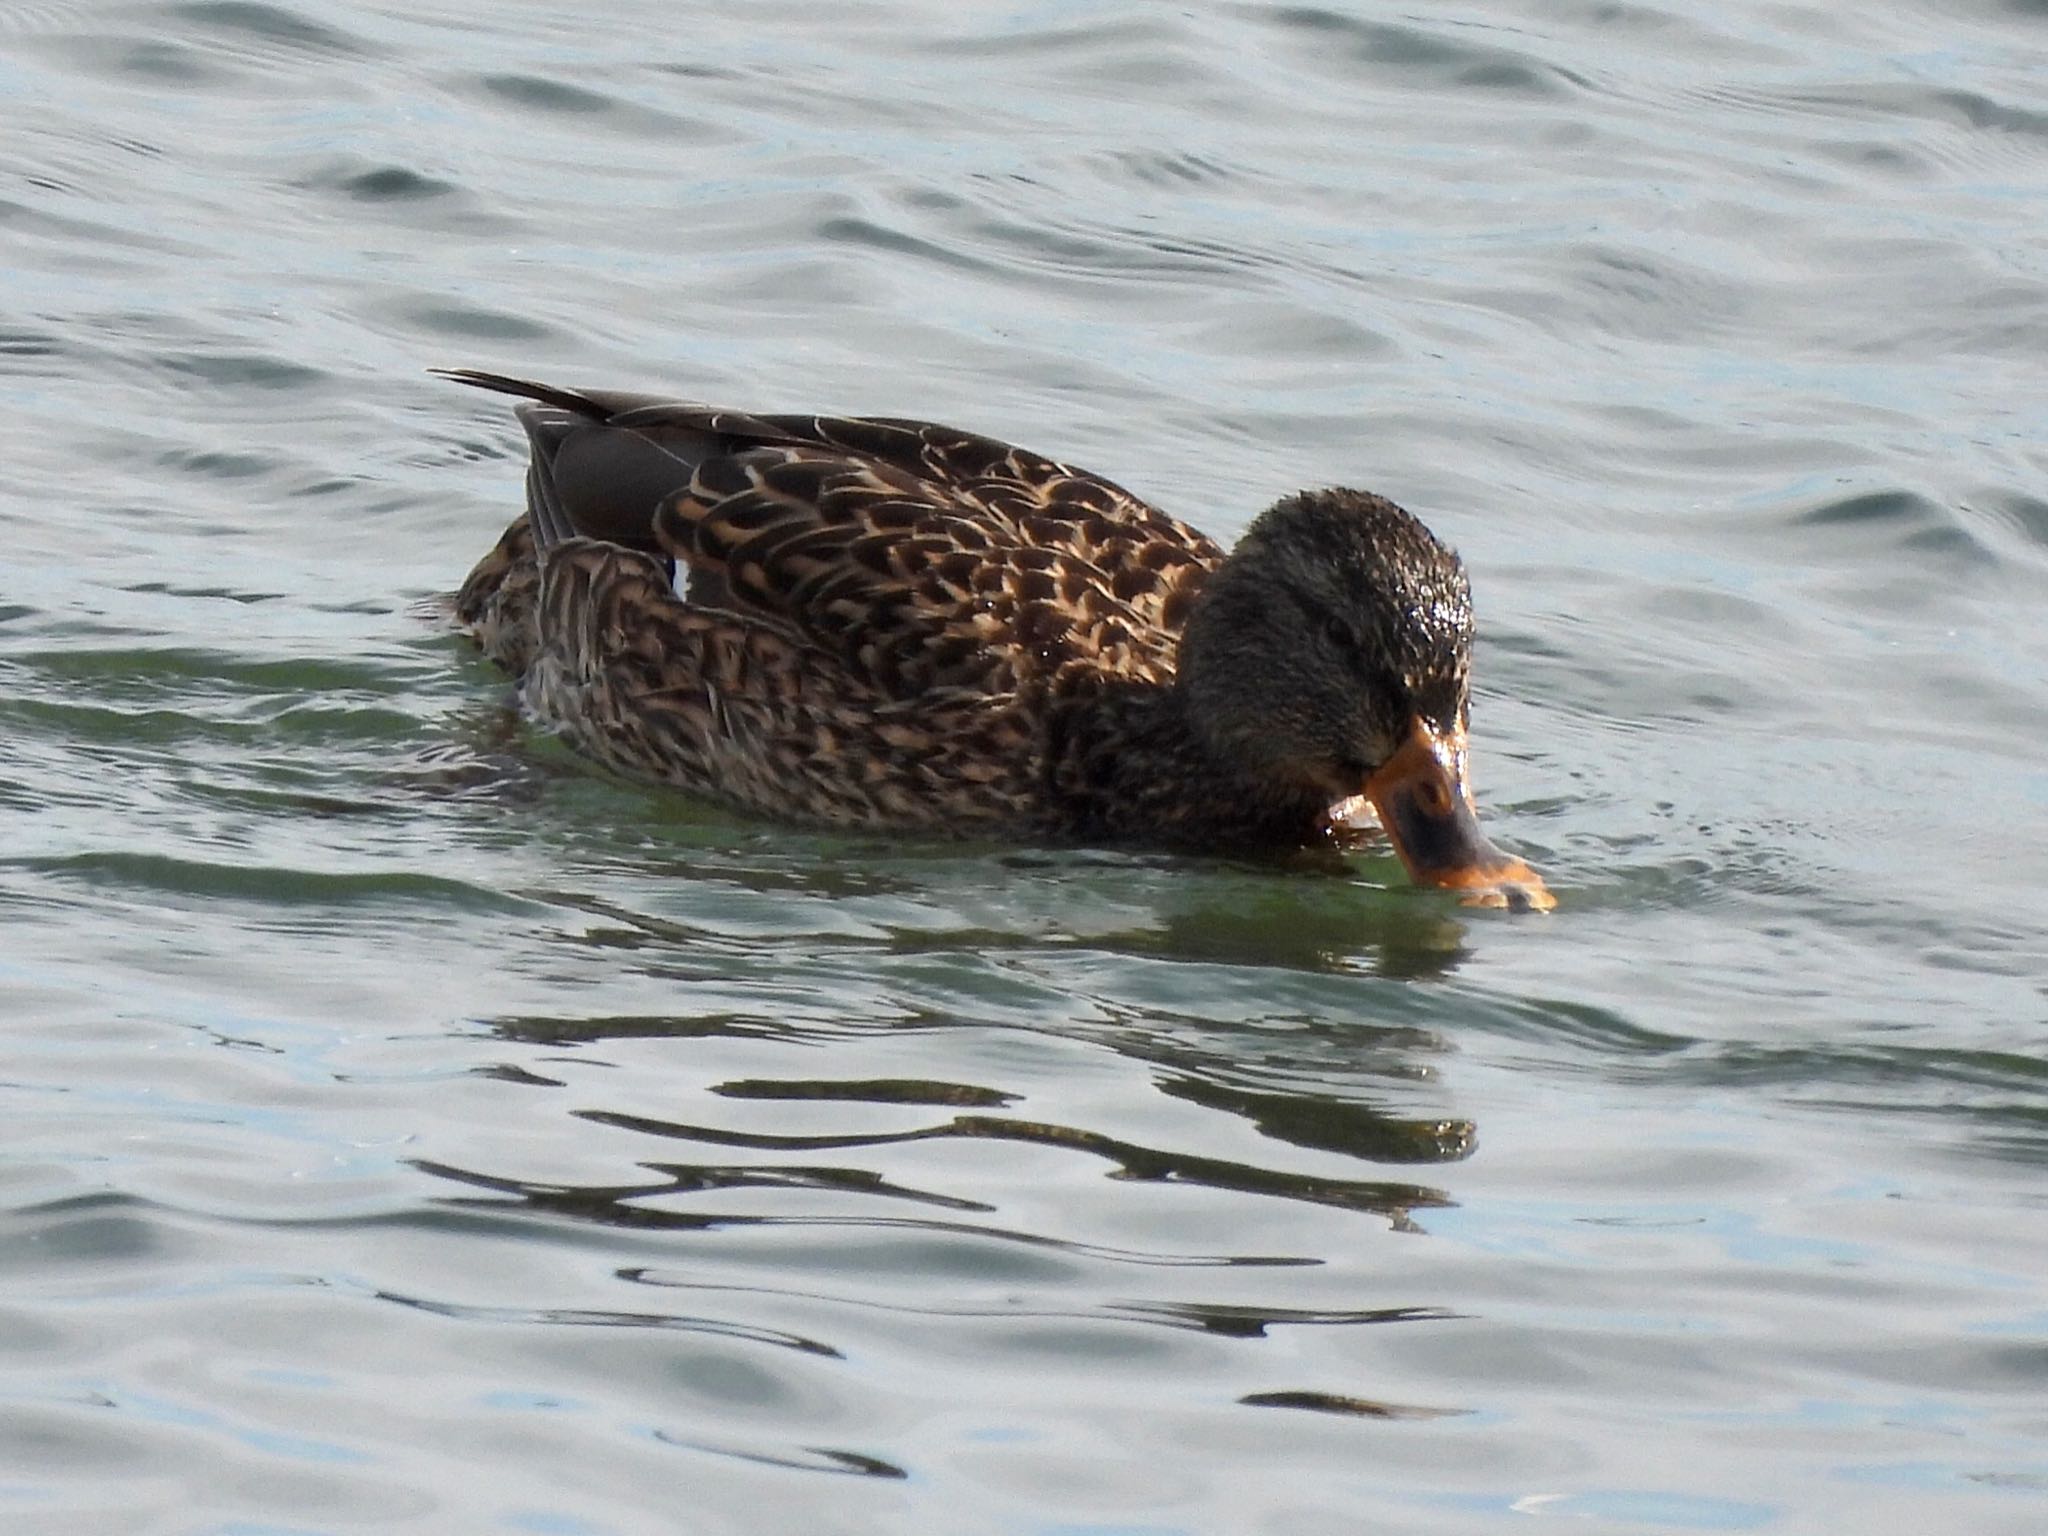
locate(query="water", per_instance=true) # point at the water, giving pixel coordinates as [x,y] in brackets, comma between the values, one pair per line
[409,1130]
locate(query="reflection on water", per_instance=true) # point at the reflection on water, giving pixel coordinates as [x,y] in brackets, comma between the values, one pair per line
[1333,1125]
[1351,1128]
[1128,1161]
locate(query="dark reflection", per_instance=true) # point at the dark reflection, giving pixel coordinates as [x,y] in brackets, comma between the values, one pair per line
[1303,1086]
[1199,1062]
[1356,1407]
[1217,1320]
[1180,965]
[814,1458]
[507,1072]
[612,1207]
[844,1181]
[1237,1322]
[582,1317]
[1391,1200]
[1331,1125]
[636,1026]
[687,1179]
[872,1091]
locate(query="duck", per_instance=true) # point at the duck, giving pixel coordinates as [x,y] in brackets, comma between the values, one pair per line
[887,624]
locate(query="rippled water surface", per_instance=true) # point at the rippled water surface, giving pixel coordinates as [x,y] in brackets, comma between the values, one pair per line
[410,1130]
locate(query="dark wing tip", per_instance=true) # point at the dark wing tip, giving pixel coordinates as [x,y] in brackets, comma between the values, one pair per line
[638,413]
[525,389]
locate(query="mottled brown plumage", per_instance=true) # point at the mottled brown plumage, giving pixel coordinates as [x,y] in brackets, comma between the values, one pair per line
[894,624]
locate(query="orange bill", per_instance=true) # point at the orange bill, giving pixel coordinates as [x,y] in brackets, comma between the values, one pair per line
[1425,805]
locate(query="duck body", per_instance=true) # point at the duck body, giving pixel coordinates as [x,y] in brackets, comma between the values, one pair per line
[882,623]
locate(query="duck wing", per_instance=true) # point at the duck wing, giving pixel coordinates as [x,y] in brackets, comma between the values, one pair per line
[924,557]
[922,576]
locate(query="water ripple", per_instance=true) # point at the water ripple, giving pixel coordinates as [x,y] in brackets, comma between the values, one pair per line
[405,1119]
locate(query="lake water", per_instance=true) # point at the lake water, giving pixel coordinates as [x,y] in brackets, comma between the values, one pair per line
[410,1130]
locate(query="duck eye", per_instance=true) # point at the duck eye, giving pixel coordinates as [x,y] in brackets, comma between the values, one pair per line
[1339,633]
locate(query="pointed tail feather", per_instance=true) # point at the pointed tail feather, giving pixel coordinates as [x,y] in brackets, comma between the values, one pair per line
[590,475]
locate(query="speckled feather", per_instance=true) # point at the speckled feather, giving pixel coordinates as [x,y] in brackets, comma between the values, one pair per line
[925,558]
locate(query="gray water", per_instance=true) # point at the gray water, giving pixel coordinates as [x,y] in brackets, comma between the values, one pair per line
[410,1130]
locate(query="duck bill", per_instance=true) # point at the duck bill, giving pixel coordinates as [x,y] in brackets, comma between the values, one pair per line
[1425,804]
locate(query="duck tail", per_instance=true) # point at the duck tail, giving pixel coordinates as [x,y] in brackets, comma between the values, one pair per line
[602,461]
[592,406]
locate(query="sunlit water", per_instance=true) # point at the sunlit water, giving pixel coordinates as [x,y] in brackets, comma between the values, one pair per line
[409,1130]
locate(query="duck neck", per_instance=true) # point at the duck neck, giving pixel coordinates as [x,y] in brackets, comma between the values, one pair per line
[1128,762]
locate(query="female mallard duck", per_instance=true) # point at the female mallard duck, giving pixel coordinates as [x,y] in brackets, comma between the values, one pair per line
[894,624]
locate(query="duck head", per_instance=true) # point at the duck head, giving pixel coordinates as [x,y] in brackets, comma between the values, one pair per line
[1329,658]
